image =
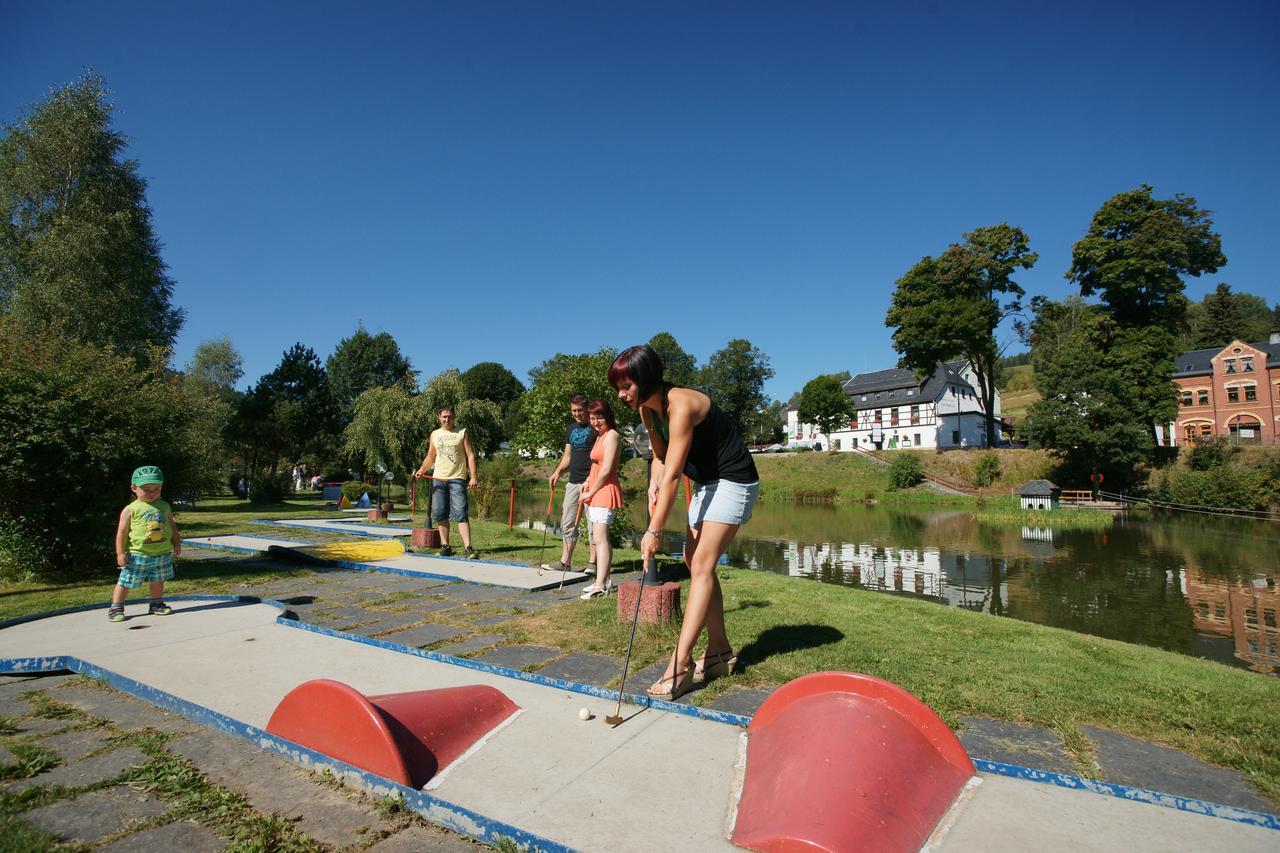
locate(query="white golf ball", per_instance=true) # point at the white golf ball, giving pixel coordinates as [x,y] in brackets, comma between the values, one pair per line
[584,714]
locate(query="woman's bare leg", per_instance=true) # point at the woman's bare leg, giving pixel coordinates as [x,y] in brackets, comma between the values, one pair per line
[705,607]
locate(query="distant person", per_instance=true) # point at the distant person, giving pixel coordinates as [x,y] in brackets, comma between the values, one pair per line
[602,492]
[449,459]
[242,488]
[147,540]
[690,434]
[579,438]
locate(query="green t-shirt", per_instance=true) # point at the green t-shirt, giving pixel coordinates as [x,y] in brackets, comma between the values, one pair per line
[149,531]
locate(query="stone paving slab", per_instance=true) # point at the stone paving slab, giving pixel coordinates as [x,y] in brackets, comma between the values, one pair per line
[585,667]
[1015,743]
[423,635]
[6,757]
[519,657]
[422,839]
[471,644]
[73,746]
[350,612]
[88,772]
[472,592]
[493,620]
[1142,764]
[125,711]
[185,835]
[13,705]
[739,700]
[18,684]
[390,622]
[44,725]
[275,786]
[95,815]
[434,605]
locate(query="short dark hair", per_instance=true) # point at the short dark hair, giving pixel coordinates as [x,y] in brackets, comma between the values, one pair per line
[642,366]
[601,409]
[578,400]
[445,408]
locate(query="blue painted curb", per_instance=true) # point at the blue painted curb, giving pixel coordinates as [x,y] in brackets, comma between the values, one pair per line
[441,812]
[1124,792]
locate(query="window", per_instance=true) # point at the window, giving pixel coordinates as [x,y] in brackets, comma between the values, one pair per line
[911,392]
[836,444]
[877,395]
[1191,432]
[1206,430]
[864,398]
[893,417]
[877,416]
[955,436]
[1204,397]
[1250,393]
[1250,618]
[1269,619]
[1233,394]
[1203,608]
[1231,365]
[893,393]
[917,439]
[915,414]
[1186,398]
[1246,364]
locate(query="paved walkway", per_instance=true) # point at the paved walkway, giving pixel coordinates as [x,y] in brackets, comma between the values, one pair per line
[454,618]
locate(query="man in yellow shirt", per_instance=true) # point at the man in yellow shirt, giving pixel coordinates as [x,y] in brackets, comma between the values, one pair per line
[451,457]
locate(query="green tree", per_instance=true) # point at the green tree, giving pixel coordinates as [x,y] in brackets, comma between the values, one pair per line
[1089,372]
[768,423]
[365,361]
[390,427]
[824,403]
[734,377]
[481,418]
[949,307]
[216,364]
[289,414]
[1224,316]
[77,419]
[679,367]
[491,381]
[546,405]
[77,247]
[1136,251]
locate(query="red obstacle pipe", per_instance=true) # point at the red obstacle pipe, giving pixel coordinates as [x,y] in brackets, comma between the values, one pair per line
[405,737]
[511,509]
[842,761]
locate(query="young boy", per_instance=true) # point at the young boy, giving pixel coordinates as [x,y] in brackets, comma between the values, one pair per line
[147,540]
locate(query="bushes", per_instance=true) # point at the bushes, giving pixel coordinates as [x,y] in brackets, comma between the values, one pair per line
[905,471]
[271,488]
[353,489]
[77,419]
[986,471]
[1207,455]
[1222,488]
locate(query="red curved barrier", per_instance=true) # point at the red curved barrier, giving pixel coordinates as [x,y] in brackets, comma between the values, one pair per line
[842,761]
[406,737]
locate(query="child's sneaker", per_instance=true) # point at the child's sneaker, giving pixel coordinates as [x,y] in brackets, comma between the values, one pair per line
[115,613]
[446,551]
[471,554]
[159,608]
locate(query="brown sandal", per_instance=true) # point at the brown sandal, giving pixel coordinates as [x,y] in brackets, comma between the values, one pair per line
[714,666]
[676,686]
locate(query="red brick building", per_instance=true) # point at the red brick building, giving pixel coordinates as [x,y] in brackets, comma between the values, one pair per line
[1233,392]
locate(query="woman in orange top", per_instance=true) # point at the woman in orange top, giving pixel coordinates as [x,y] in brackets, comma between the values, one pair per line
[603,493]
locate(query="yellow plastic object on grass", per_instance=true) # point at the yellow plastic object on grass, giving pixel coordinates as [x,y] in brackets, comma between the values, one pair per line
[346,552]
[343,503]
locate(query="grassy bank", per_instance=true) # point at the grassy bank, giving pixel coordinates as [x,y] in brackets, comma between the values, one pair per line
[964,663]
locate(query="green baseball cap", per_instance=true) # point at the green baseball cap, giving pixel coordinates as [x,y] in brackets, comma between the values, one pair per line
[147,475]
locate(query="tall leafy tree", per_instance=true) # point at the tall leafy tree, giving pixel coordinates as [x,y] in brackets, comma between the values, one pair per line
[365,361]
[289,414]
[679,367]
[1136,251]
[950,306]
[216,364]
[824,403]
[481,418]
[390,426]
[1224,316]
[77,249]
[734,377]
[546,405]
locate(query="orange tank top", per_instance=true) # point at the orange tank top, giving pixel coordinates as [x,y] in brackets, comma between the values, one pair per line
[609,495]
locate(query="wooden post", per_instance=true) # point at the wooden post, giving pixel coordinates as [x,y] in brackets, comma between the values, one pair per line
[511,508]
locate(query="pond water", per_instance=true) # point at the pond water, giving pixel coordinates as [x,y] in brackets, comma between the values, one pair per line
[1196,585]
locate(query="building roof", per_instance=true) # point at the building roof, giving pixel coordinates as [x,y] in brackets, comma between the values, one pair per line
[1199,362]
[1037,488]
[902,379]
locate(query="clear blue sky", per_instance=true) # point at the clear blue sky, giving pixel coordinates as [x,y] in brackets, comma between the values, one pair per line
[502,181]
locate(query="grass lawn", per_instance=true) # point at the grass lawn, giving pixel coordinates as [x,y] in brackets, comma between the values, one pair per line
[964,663]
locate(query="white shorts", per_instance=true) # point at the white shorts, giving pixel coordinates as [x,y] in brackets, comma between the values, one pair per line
[723,501]
[599,514]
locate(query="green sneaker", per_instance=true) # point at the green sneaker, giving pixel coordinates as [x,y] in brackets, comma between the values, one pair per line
[159,608]
[115,614]
[446,551]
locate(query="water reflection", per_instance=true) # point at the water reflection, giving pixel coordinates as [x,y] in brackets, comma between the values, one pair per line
[1199,586]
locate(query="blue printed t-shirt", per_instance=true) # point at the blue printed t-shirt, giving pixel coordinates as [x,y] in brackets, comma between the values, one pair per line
[580,440]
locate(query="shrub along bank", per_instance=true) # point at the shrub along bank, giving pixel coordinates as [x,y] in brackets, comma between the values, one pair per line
[1219,475]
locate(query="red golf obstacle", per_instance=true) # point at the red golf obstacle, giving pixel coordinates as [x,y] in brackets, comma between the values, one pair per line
[406,737]
[842,761]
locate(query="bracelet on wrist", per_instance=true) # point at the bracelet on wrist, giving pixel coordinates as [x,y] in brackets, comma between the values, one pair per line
[652,533]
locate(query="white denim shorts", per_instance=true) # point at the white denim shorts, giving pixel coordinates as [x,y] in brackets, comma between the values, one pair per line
[723,501]
[599,514]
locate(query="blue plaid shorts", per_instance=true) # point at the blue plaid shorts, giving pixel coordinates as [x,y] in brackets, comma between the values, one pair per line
[140,569]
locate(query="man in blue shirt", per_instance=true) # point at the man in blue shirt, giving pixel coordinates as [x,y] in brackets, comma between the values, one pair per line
[578,440]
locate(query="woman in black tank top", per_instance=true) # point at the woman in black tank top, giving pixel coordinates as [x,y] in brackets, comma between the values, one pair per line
[689,434]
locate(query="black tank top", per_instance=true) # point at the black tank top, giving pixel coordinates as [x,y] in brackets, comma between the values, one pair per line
[717,451]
